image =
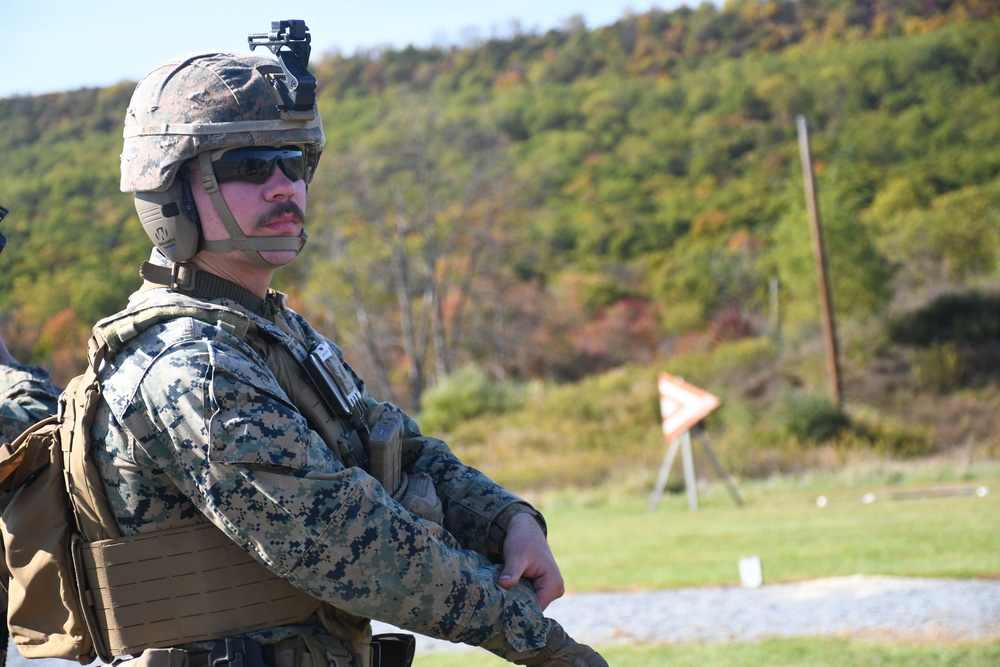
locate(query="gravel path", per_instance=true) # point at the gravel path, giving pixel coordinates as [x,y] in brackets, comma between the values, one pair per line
[872,608]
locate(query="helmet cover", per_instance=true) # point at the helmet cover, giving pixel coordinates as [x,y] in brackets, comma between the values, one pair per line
[205,102]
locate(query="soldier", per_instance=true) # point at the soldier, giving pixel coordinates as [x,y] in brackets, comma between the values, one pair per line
[227,409]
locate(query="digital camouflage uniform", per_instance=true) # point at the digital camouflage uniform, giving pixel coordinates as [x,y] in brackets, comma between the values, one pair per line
[27,395]
[194,423]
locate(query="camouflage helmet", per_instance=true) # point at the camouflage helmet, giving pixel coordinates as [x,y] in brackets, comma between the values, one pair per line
[205,102]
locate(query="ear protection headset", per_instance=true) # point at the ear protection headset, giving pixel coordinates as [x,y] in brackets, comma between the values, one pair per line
[170,219]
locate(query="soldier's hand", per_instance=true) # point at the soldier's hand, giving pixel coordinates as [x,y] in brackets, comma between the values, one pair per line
[526,553]
[564,651]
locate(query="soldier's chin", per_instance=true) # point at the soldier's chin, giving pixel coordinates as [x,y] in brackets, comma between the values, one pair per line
[278,257]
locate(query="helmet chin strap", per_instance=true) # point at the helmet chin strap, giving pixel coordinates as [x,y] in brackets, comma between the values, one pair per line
[250,246]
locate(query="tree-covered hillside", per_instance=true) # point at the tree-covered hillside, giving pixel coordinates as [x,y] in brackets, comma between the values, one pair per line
[552,205]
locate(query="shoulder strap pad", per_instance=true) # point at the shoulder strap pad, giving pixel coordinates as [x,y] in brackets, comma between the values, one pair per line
[94,518]
[118,331]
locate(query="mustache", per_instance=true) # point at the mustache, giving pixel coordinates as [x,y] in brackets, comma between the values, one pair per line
[280,209]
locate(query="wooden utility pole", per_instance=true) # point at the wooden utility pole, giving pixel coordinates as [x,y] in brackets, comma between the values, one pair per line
[829,327]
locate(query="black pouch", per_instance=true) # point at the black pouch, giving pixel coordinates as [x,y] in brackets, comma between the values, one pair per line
[394,649]
[237,652]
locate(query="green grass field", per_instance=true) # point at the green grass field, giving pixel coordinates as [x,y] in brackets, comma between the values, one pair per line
[607,541]
[773,653]
[624,546]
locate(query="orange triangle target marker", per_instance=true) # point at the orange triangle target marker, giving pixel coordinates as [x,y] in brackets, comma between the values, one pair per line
[683,405]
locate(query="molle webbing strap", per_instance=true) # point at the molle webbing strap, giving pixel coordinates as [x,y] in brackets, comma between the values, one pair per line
[294,380]
[183,585]
[118,332]
[84,486]
[348,444]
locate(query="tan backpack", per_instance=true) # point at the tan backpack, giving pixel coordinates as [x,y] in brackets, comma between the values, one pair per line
[40,531]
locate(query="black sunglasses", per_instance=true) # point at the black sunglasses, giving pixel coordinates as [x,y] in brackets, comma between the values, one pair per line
[255,164]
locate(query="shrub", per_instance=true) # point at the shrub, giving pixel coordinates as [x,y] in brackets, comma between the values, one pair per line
[732,358]
[969,317]
[888,437]
[466,394]
[939,368]
[809,418]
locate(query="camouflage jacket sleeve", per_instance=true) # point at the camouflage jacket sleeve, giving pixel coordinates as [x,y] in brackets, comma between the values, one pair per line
[477,509]
[26,396]
[208,426]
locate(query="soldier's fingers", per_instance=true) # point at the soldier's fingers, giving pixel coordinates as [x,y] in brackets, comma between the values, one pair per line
[548,588]
[513,568]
